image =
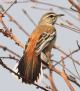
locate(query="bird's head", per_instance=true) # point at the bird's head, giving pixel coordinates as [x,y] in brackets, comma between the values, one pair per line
[49,18]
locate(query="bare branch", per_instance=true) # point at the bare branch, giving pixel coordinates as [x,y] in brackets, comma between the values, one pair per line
[10,70]
[25,1]
[7,49]
[17,60]
[49,4]
[52,68]
[9,7]
[25,12]
[14,21]
[69,27]
[39,8]
[1,63]
[67,55]
[78,44]
[8,33]
[67,81]
[52,82]
[75,5]
[73,79]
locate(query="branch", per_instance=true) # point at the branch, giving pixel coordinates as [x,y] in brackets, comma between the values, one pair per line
[24,1]
[68,27]
[13,20]
[10,57]
[67,55]
[39,8]
[52,82]
[52,68]
[77,6]
[9,7]
[65,77]
[50,78]
[6,49]
[49,4]
[8,33]
[25,12]
[72,79]
[67,81]
[1,63]
[71,24]
[10,70]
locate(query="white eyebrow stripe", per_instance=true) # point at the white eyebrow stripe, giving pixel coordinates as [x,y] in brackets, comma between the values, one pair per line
[47,15]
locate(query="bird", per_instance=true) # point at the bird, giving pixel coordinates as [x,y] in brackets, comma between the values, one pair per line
[40,42]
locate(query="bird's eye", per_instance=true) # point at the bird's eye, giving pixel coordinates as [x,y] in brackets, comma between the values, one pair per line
[51,16]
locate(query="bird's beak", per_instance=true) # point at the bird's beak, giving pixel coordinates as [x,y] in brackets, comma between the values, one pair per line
[59,15]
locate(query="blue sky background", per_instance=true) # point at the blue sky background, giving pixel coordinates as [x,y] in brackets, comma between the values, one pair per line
[66,40]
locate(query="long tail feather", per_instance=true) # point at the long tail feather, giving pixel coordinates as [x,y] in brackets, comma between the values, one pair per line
[29,70]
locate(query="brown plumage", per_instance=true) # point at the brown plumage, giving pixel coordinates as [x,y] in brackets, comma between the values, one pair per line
[30,64]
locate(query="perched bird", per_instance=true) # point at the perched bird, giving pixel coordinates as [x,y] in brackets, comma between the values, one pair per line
[41,40]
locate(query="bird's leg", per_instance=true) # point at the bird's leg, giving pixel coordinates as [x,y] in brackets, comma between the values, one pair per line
[54,46]
[46,57]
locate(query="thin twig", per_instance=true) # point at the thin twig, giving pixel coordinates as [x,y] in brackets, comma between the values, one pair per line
[63,65]
[10,58]
[71,24]
[75,68]
[67,55]
[74,9]
[49,4]
[26,13]
[39,8]
[1,63]
[77,6]
[73,79]
[66,78]
[47,65]
[10,70]
[40,87]
[26,1]
[68,27]
[78,44]
[14,21]
[52,68]
[8,33]
[51,81]
[7,49]
[65,68]
[9,7]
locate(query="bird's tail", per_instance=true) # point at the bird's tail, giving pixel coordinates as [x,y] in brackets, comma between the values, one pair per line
[30,70]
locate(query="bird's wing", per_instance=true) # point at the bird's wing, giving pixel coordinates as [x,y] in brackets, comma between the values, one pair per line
[44,41]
